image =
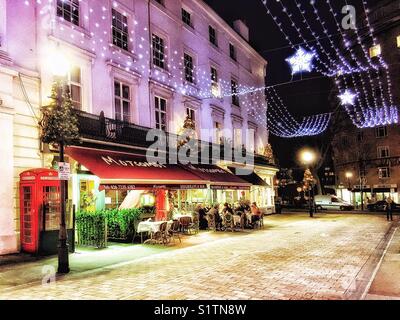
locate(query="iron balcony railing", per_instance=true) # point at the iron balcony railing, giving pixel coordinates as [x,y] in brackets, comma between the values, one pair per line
[100,128]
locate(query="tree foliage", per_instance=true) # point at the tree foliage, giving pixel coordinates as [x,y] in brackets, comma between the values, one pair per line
[59,123]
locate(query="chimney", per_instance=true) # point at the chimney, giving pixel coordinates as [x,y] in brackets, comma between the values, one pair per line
[241,28]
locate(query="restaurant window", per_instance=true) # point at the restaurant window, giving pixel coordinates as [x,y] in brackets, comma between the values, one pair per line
[213,36]
[161,113]
[232,52]
[383,152]
[158,51]
[120,31]
[87,197]
[381,132]
[68,10]
[74,82]
[114,198]
[235,91]
[187,17]
[189,68]
[384,173]
[375,51]
[122,98]
[191,114]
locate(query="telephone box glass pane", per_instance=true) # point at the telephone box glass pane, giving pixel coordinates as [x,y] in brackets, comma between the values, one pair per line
[51,198]
[27,210]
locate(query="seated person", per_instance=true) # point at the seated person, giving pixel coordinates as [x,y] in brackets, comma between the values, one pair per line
[217,218]
[255,213]
[203,222]
[227,209]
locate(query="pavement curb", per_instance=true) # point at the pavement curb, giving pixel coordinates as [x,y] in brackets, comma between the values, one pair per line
[360,286]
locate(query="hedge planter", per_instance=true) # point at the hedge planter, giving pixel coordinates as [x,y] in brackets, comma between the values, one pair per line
[92,229]
[121,224]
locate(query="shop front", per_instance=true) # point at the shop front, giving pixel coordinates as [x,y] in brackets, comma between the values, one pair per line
[118,180]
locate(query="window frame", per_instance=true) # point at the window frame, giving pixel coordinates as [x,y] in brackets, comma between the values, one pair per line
[159,111]
[218,131]
[234,92]
[384,169]
[215,87]
[189,71]
[378,136]
[78,105]
[161,61]
[213,38]
[122,32]
[232,51]
[60,6]
[186,22]
[191,113]
[383,150]
[123,116]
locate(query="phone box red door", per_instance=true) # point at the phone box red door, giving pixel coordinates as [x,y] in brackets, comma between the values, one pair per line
[33,196]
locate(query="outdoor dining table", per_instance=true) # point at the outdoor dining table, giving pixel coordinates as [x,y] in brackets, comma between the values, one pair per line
[151,227]
[179,216]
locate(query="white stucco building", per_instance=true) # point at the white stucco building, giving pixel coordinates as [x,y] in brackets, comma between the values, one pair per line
[147,62]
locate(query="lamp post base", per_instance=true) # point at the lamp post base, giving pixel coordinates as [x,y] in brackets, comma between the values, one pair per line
[63,258]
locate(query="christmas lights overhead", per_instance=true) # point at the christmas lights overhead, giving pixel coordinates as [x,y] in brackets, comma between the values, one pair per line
[301,61]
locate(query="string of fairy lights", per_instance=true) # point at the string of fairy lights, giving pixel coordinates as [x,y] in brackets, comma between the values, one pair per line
[354,76]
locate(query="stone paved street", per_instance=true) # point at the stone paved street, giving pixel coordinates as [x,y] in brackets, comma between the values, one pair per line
[294,257]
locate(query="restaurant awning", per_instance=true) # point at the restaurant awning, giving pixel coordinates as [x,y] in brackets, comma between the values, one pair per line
[218,178]
[118,170]
[252,178]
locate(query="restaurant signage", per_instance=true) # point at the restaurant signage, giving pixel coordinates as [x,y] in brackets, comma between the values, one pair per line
[223,187]
[152,186]
[130,163]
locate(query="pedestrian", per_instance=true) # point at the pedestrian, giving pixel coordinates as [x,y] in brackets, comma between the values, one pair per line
[389,209]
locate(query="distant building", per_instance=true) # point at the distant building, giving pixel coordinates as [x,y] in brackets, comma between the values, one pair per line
[367,161]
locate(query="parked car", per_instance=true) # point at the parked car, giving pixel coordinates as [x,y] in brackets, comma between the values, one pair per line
[380,206]
[331,202]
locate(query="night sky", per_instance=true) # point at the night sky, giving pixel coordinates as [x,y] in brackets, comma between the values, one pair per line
[302,98]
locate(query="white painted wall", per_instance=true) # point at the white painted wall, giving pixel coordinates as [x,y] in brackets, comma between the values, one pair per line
[31,33]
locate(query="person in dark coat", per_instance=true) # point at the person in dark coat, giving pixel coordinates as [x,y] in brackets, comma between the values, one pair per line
[389,209]
[203,222]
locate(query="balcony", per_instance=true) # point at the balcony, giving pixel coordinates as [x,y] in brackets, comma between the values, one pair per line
[98,128]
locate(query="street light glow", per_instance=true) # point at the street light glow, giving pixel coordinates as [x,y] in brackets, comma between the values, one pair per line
[349,175]
[59,64]
[307,156]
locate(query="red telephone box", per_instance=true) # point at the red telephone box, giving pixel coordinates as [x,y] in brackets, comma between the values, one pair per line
[40,211]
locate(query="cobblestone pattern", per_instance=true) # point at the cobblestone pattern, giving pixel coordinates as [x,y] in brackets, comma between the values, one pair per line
[294,257]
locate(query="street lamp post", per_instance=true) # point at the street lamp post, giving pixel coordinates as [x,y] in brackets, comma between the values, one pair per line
[60,70]
[349,176]
[308,157]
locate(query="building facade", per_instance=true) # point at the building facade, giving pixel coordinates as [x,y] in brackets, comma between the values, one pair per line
[367,161]
[147,63]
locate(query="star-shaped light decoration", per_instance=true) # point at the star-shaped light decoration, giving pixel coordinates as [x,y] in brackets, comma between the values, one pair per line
[348,98]
[301,61]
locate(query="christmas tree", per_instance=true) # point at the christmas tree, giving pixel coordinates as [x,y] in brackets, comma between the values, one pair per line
[59,123]
[187,132]
[308,178]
